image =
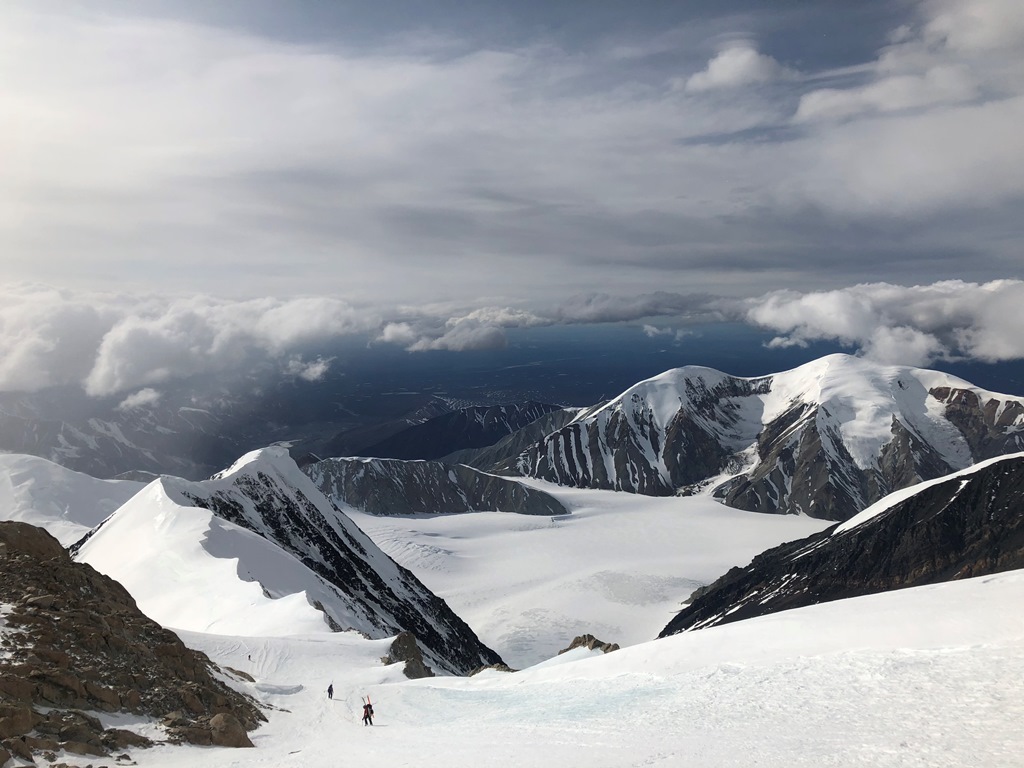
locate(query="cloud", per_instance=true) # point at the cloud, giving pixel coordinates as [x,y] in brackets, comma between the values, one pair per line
[737,65]
[110,343]
[986,26]
[677,334]
[141,399]
[913,325]
[610,308]
[463,336]
[311,370]
[484,327]
[150,151]
[939,84]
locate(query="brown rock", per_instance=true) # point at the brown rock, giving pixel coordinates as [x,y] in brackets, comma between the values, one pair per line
[227,731]
[18,748]
[591,642]
[119,738]
[80,748]
[16,720]
[404,648]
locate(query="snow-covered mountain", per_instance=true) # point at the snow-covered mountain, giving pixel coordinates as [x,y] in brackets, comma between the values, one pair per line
[396,487]
[825,439]
[269,555]
[967,524]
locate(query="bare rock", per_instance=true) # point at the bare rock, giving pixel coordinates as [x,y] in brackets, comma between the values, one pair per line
[76,640]
[404,648]
[503,667]
[228,732]
[591,642]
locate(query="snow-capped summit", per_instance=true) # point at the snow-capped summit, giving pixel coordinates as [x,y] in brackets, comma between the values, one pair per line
[824,439]
[258,550]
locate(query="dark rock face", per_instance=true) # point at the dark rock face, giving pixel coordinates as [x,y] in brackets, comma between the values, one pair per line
[273,499]
[394,487]
[591,642]
[971,524]
[502,457]
[405,650]
[75,640]
[677,432]
[466,428]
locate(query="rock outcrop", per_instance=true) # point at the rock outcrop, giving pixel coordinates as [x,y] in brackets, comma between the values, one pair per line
[72,641]
[591,642]
[404,650]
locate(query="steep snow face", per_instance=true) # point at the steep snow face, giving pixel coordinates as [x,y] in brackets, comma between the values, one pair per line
[268,554]
[824,439]
[67,504]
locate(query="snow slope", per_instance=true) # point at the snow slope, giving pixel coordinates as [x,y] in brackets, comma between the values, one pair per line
[921,677]
[66,503]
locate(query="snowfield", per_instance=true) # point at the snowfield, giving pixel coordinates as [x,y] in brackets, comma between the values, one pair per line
[618,567]
[921,677]
[930,676]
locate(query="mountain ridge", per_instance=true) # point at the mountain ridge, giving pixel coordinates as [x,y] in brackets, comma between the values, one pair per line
[823,439]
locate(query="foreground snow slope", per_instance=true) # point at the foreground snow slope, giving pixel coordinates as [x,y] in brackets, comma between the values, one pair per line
[618,567]
[921,677]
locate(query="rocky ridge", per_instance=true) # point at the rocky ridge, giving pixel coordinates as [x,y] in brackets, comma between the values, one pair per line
[965,525]
[395,487]
[347,577]
[74,645]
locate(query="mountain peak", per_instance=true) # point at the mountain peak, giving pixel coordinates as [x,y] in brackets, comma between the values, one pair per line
[823,439]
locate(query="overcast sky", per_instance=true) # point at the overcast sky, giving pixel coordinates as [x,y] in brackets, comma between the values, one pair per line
[180,177]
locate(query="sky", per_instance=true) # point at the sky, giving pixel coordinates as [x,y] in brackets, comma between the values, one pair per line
[186,183]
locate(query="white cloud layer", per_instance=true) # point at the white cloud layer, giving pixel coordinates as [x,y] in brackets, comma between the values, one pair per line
[737,65]
[112,343]
[896,324]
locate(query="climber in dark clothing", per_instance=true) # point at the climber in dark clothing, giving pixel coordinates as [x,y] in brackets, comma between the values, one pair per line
[330,691]
[367,713]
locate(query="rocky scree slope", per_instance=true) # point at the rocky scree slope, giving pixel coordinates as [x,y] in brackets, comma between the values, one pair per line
[965,525]
[825,439]
[73,641]
[394,487]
